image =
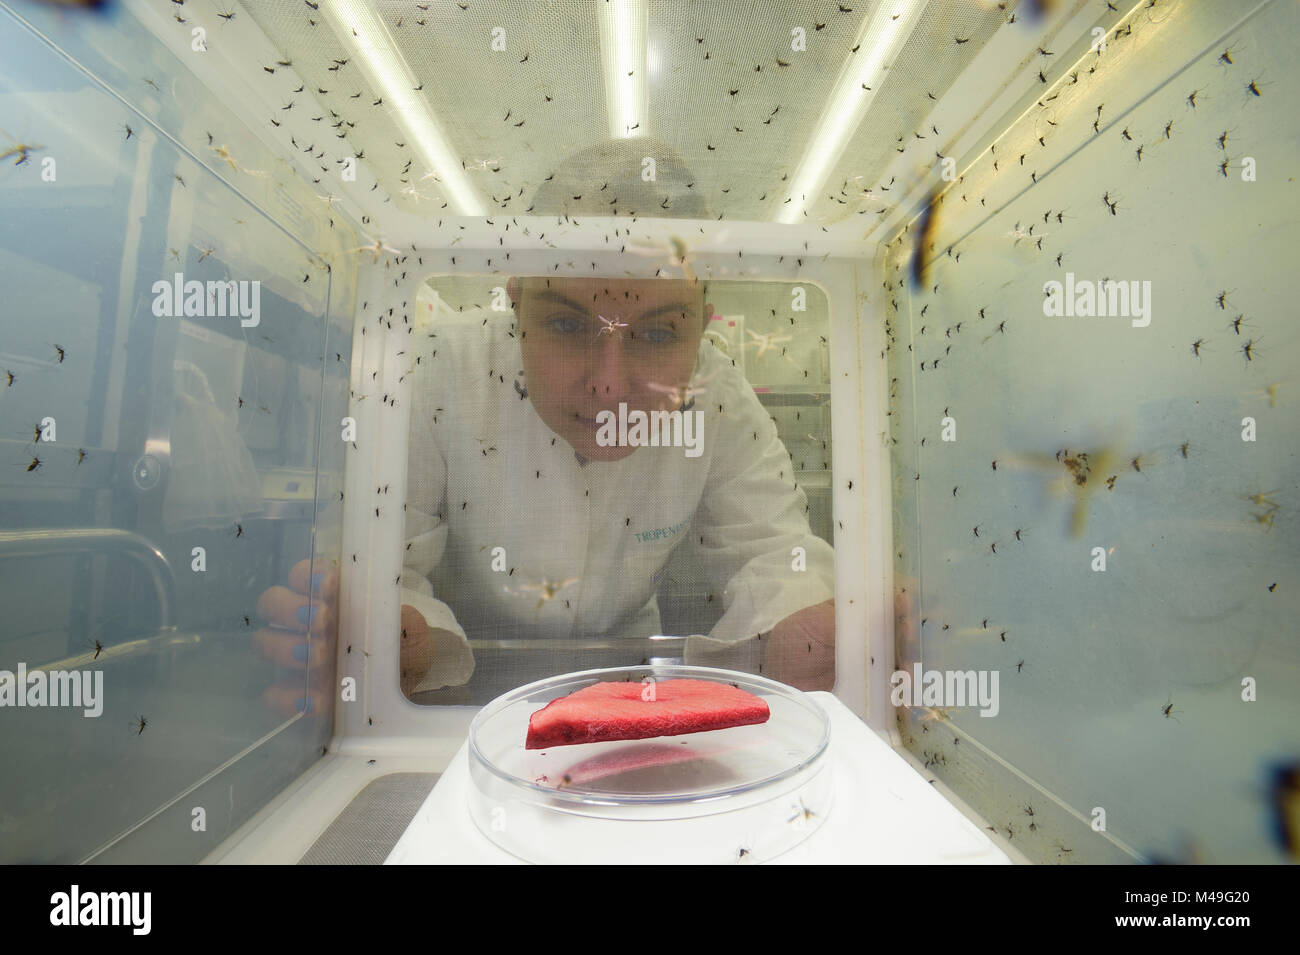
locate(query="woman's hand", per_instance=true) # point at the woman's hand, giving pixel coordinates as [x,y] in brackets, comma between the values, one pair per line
[417,649]
[300,638]
[800,649]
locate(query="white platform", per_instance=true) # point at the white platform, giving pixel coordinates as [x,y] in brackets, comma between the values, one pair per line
[883,812]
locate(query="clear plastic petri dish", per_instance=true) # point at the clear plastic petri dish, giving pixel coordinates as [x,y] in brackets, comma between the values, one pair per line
[743,794]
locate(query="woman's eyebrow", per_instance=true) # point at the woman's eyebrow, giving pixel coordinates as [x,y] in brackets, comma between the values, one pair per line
[557,297]
[679,308]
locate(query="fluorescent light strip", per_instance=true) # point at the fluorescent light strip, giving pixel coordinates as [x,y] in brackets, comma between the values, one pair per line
[879,42]
[364,36]
[623,38]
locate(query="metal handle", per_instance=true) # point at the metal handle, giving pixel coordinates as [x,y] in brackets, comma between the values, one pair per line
[59,541]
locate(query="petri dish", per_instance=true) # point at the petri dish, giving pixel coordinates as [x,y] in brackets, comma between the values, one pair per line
[744,794]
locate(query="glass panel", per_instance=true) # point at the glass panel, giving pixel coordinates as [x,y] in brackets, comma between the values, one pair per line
[611,471]
[1095,505]
[164,461]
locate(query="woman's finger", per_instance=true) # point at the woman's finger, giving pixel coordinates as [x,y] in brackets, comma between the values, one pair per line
[319,578]
[290,610]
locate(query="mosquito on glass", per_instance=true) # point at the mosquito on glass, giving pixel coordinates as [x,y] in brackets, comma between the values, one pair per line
[376,247]
[21,150]
[1018,233]
[931,714]
[683,395]
[547,590]
[223,153]
[414,193]
[673,249]
[802,815]
[766,343]
[610,324]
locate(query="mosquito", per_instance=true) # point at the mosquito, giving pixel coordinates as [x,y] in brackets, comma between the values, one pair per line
[933,714]
[19,149]
[1268,391]
[802,815]
[376,247]
[765,343]
[610,324]
[1018,233]
[547,590]
[675,251]
[1168,710]
[223,152]
[410,191]
[683,396]
[1262,499]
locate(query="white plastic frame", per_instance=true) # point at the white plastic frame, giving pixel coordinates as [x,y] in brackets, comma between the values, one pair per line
[382,720]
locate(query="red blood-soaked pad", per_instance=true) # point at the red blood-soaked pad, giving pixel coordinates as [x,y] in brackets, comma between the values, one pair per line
[605,712]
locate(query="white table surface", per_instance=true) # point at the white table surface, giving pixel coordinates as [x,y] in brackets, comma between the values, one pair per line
[883,811]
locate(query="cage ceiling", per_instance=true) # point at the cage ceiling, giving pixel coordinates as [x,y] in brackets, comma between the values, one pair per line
[487,107]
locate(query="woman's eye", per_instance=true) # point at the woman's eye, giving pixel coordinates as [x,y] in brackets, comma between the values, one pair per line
[660,336]
[564,324]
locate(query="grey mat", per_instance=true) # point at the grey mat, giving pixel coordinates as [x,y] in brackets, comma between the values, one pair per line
[366,831]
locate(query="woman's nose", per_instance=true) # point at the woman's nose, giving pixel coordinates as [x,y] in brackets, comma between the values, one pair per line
[609,367]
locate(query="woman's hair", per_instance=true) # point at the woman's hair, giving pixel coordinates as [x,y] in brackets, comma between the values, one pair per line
[589,181]
[703,290]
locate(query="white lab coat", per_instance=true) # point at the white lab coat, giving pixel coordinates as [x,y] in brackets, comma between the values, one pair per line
[486,472]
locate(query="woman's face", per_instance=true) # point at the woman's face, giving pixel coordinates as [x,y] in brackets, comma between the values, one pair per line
[590,344]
